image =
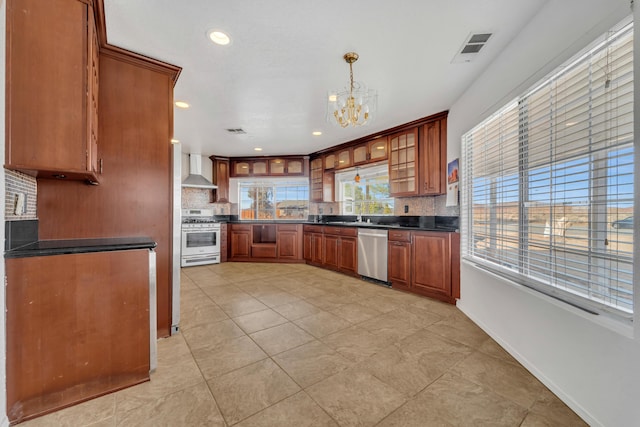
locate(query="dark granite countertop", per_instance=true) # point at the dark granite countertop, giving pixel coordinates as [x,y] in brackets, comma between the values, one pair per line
[77,246]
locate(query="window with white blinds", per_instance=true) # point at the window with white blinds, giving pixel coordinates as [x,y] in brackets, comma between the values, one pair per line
[547,182]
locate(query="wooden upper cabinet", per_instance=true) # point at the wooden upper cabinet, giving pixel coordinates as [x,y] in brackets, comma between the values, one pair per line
[295,167]
[52,89]
[260,167]
[315,181]
[330,161]
[344,158]
[288,167]
[220,179]
[277,167]
[433,158]
[241,168]
[403,163]
[370,151]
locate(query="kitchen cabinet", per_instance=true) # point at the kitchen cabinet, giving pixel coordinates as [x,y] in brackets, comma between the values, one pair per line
[426,263]
[220,179]
[399,259]
[223,242]
[77,327]
[316,180]
[328,186]
[134,143]
[433,158]
[344,158]
[335,248]
[403,163]
[330,161]
[289,241]
[371,151]
[286,167]
[431,263]
[239,241]
[265,242]
[270,166]
[52,85]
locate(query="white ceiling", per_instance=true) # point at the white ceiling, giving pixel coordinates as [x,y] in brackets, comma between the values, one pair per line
[285,55]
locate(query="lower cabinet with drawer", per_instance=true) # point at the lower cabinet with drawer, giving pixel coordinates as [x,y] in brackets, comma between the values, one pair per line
[426,263]
[334,248]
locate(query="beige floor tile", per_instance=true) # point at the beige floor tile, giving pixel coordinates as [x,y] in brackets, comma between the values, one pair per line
[277,298]
[297,310]
[166,380]
[219,294]
[511,381]
[210,313]
[243,305]
[321,324]
[326,301]
[460,329]
[454,401]
[355,313]
[295,411]
[107,422]
[244,392]
[101,409]
[307,291]
[412,364]
[355,343]
[436,307]
[492,348]
[211,334]
[548,406]
[355,398]
[281,338]
[193,406]
[311,362]
[381,303]
[418,316]
[391,326]
[259,320]
[227,356]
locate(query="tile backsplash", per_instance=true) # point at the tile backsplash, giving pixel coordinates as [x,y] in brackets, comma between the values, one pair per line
[195,198]
[416,206]
[18,183]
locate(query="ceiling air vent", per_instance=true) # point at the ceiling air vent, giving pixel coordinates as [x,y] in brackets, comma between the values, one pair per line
[236,131]
[471,47]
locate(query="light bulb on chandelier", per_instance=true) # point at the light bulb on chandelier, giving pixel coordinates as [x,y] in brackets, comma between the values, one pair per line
[355,105]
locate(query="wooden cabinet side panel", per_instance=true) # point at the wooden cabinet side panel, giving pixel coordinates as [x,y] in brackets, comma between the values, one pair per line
[46,84]
[77,327]
[134,198]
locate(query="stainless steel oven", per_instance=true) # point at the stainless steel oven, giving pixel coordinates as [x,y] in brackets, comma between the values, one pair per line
[200,238]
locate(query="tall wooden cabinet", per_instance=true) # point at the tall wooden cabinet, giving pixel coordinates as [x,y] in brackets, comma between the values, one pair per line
[403,163]
[220,178]
[52,89]
[433,158]
[134,197]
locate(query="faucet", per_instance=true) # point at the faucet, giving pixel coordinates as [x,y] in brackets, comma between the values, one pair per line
[359,218]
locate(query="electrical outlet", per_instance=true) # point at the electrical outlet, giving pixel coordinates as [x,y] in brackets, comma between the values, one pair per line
[21,204]
[406,208]
[330,210]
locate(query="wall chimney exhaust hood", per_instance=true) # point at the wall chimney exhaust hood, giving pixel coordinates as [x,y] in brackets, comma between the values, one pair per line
[195,178]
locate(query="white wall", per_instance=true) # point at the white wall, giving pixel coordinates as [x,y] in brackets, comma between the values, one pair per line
[3,389]
[592,364]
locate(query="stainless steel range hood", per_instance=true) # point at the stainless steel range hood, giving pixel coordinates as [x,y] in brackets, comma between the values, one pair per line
[195,178]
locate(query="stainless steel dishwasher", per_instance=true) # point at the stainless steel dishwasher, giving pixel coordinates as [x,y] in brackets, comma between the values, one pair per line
[372,254]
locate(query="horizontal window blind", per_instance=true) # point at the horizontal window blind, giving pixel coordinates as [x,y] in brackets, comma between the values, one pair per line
[548,182]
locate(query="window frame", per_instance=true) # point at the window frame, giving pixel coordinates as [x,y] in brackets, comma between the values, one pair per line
[515,265]
[276,185]
[366,172]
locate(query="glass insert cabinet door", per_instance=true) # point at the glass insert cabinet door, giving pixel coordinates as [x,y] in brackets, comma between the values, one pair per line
[402,166]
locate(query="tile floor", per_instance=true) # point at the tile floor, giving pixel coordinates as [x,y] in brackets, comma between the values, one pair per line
[294,345]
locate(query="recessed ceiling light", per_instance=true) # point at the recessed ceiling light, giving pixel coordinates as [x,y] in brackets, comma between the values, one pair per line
[333,98]
[219,37]
[174,141]
[182,104]
[316,133]
[257,149]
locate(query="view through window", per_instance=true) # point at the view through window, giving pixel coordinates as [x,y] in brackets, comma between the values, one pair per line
[274,200]
[370,196]
[548,182]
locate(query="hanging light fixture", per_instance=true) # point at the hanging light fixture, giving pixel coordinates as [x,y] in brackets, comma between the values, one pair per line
[355,105]
[357,177]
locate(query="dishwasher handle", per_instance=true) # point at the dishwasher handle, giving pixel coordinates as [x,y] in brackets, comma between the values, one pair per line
[384,236]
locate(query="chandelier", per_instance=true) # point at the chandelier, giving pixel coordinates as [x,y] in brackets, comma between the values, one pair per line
[354,105]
